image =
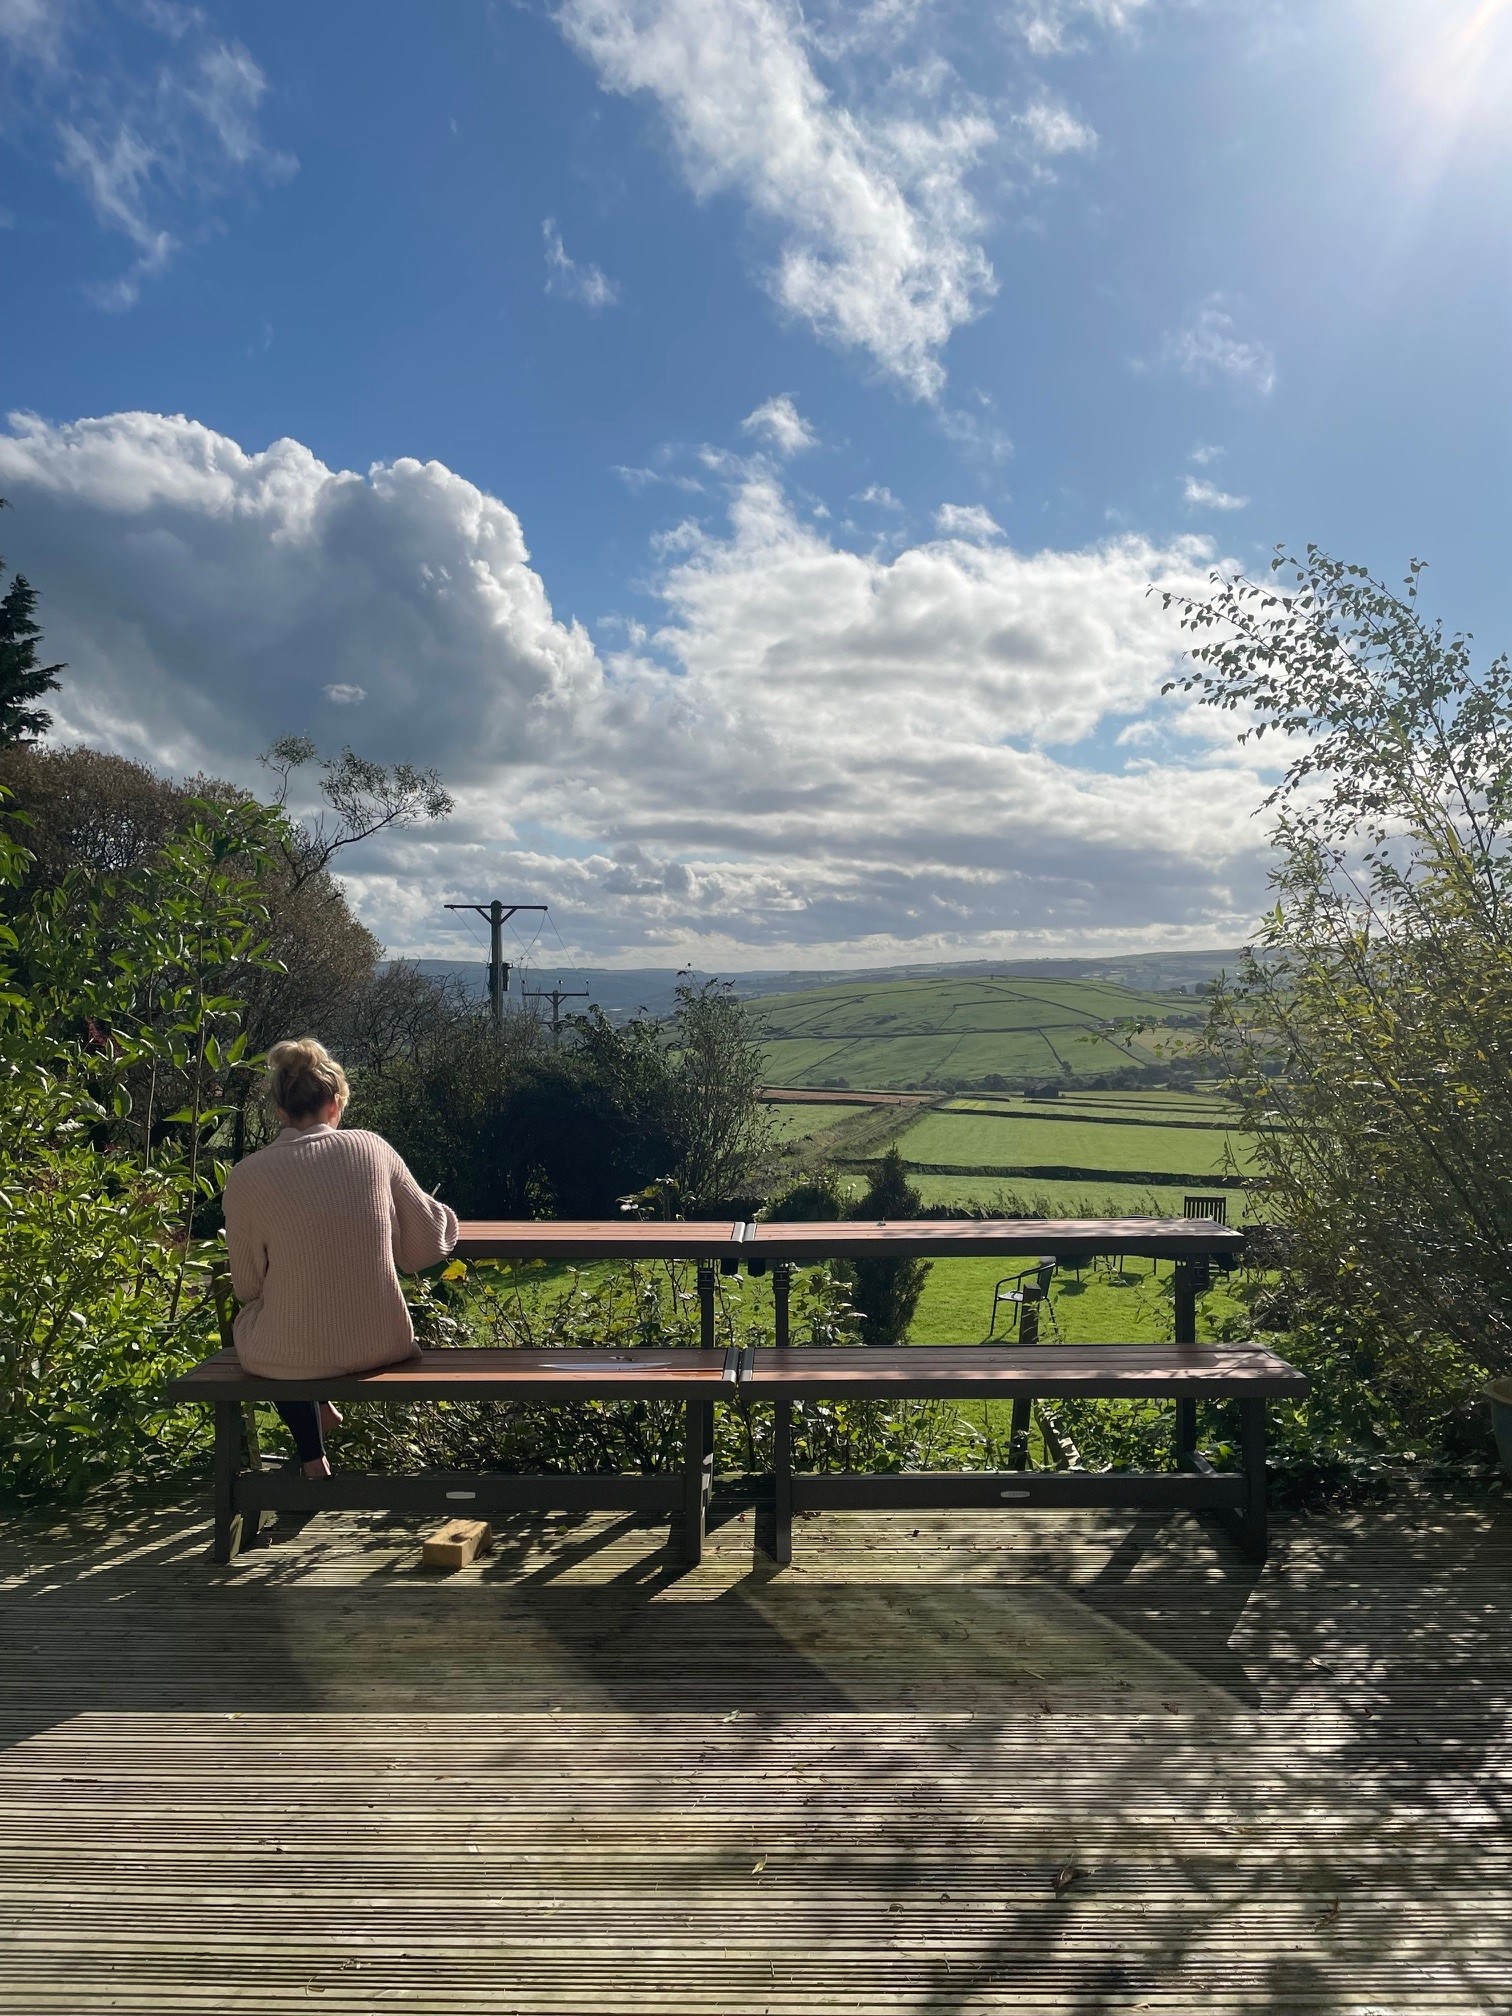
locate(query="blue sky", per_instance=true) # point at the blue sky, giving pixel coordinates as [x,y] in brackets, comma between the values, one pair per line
[732,441]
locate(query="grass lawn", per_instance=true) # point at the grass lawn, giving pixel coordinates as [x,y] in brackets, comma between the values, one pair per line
[1098,1307]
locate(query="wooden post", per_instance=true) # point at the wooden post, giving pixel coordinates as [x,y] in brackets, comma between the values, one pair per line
[706,1280]
[782,1282]
[227,1449]
[698,1475]
[1252,1529]
[1185,1285]
[782,1481]
[1023,1410]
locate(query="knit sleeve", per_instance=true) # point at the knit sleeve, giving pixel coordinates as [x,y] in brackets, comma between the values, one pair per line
[425,1229]
[247,1253]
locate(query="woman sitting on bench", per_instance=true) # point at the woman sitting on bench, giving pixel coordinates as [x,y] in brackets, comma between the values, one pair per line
[318,1224]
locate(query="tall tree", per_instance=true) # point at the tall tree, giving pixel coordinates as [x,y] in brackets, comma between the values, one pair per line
[22,680]
[1370,1033]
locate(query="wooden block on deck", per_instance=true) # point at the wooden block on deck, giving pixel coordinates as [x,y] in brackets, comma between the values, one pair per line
[456,1543]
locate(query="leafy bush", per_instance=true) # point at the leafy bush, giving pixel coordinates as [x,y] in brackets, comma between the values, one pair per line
[1369,1036]
[114,1044]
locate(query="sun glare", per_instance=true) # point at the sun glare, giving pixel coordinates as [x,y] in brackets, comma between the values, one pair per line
[1451,59]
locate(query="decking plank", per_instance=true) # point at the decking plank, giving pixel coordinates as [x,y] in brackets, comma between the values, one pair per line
[574,1778]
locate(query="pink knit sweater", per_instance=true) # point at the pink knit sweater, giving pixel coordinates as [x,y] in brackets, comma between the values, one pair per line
[317,1225]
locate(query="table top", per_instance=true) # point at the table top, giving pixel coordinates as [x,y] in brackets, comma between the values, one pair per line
[841,1239]
[978,1371]
[944,1238]
[598,1239]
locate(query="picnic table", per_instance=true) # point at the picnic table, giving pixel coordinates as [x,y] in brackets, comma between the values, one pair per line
[1183,1371]
[718,1245]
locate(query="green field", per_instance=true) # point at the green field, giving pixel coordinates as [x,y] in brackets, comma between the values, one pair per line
[1028,1145]
[954,1033]
[799,1121]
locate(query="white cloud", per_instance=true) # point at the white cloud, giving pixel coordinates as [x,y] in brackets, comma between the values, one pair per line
[819,754]
[1205,454]
[289,578]
[974,432]
[1049,26]
[153,153]
[880,495]
[967,521]
[1200,492]
[778,422]
[572,280]
[638,479]
[342,694]
[1047,128]
[877,235]
[1210,346]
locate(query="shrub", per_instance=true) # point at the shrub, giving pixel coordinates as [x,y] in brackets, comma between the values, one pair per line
[115,1044]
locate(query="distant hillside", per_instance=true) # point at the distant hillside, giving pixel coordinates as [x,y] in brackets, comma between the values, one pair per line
[948,1032]
[621,991]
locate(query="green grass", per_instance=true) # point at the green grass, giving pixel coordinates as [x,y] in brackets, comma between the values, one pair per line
[977,1141]
[934,1031]
[1100,1307]
[800,1122]
[1027,1197]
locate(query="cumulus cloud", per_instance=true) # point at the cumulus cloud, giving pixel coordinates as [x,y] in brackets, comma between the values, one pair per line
[817,754]
[1209,497]
[880,495]
[967,521]
[1210,346]
[153,153]
[574,280]
[878,238]
[211,596]
[779,423]
[343,694]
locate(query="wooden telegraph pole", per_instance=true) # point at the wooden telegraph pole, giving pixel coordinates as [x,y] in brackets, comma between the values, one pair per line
[498,915]
[556,996]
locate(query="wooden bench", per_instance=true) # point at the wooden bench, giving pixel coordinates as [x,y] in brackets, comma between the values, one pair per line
[243,1490]
[1186,1373]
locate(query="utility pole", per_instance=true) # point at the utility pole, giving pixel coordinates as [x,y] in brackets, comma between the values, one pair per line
[498,915]
[556,996]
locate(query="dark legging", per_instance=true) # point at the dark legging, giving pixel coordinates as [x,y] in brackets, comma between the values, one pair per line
[302,1419]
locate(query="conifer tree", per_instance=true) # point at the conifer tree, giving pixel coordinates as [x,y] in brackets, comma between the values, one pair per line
[22,680]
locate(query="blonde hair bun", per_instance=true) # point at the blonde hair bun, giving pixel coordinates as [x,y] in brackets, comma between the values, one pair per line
[303,1078]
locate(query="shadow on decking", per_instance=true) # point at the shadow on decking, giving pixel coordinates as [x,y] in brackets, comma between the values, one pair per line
[849,1784]
[141,1622]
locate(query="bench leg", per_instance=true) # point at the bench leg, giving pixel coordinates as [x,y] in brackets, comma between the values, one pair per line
[698,1476]
[1186,1433]
[228,1439]
[1252,1528]
[782,1481]
[1018,1435]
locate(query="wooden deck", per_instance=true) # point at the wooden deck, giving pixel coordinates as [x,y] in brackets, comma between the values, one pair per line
[948,1762]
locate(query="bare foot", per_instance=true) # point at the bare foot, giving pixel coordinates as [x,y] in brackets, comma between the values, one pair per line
[319,1468]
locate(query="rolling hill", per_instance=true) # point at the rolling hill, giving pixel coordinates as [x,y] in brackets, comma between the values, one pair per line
[946,1032]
